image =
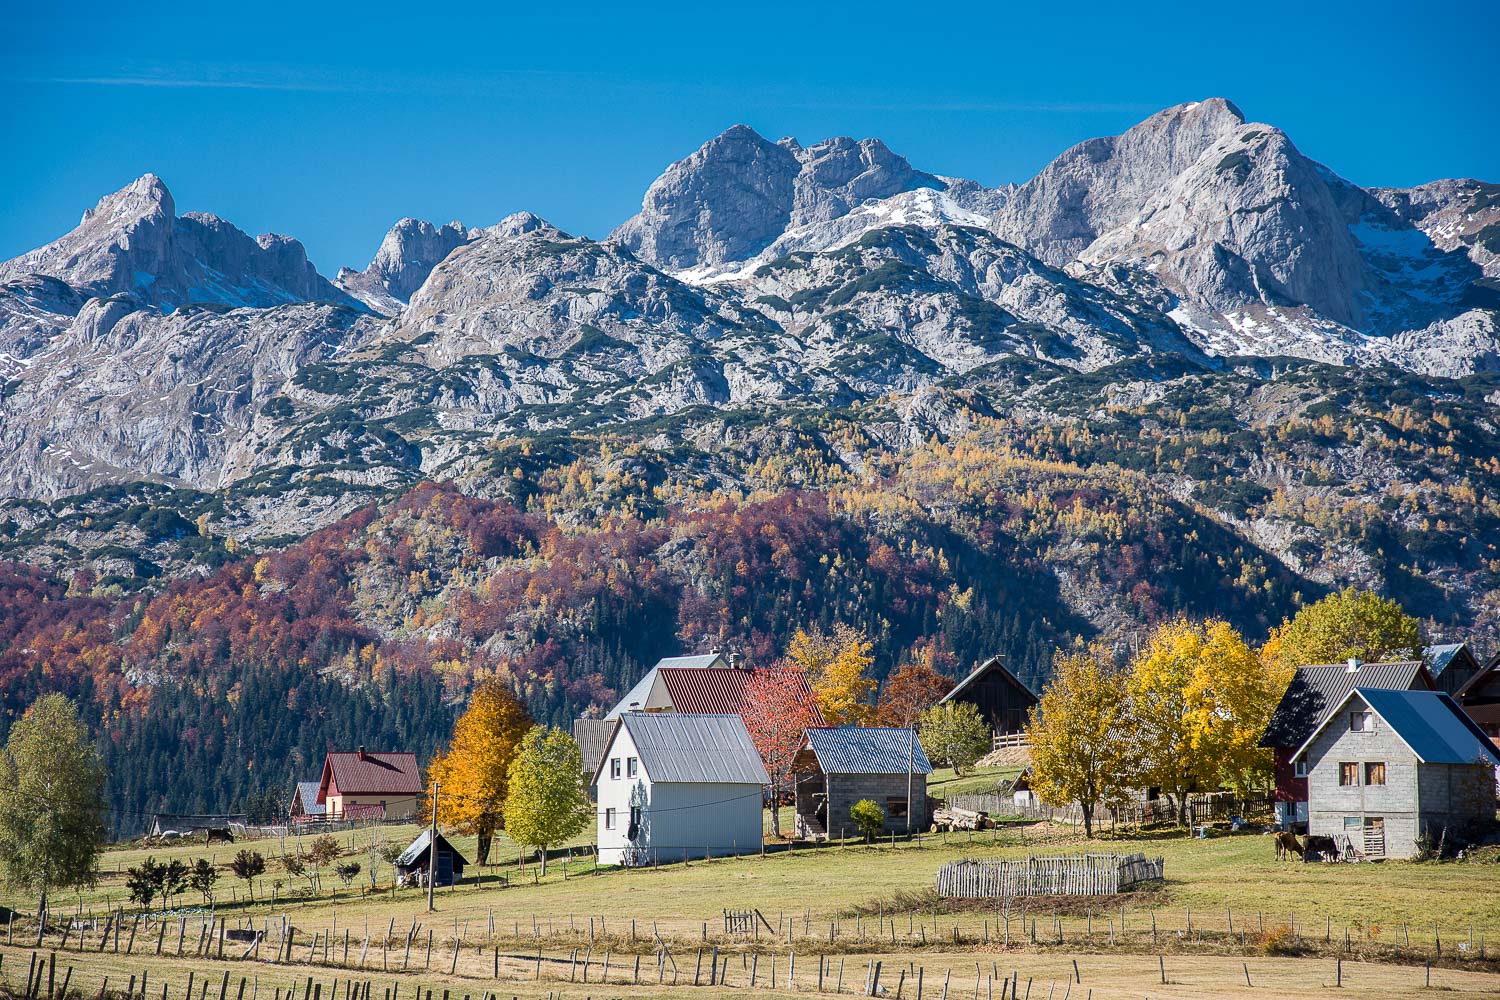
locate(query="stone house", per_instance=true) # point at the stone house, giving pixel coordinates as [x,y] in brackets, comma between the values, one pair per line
[1315,690]
[1386,767]
[839,766]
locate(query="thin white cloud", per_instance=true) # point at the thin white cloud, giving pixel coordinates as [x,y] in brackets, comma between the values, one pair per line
[152,81]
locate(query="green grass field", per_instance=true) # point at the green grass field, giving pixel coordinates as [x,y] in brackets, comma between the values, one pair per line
[852,904]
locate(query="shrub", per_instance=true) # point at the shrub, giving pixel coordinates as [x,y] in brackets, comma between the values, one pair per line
[868,816]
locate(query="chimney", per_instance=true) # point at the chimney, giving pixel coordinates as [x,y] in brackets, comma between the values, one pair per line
[1354,665]
[362,749]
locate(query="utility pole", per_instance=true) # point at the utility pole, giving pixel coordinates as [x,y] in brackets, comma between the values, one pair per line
[911,754]
[432,848]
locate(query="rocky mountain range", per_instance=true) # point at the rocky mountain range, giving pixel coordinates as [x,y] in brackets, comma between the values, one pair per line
[248,514]
[148,347]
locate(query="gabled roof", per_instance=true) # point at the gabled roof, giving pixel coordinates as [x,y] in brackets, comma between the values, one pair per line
[1440,656]
[307,797]
[693,662]
[993,664]
[635,699]
[418,847]
[682,747]
[868,750]
[363,773]
[593,739]
[1317,689]
[1429,722]
[1481,676]
[701,690]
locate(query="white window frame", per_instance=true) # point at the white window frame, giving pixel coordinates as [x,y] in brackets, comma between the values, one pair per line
[614,769]
[609,818]
[1299,767]
[632,766]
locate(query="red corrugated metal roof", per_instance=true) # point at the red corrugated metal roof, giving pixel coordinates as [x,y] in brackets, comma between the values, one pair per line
[363,773]
[715,690]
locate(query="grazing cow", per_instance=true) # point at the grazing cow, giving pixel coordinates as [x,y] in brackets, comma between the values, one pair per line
[220,835]
[1323,848]
[1287,845]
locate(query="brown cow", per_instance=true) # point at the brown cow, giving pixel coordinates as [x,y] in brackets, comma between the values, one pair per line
[1287,845]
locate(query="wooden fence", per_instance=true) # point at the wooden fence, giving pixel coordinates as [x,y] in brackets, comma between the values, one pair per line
[1068,875]
[1201,809]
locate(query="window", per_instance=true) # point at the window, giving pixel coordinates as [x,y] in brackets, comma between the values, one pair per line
[1361,722]
[895,807]
[1348,773]
[1299,768]
[609,819]
[630,767]
[1375,773]
[1353,826]
[614,768]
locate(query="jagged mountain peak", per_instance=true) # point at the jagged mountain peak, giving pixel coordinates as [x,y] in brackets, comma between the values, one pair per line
[132,243]
[144,197]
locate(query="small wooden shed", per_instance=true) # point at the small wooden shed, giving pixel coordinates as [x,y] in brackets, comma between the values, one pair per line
[414,862]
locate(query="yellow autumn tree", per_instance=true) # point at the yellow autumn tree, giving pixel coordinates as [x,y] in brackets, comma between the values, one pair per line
[1347,624]
[1080,744]
[472,773]
[837,665]
[1200,699]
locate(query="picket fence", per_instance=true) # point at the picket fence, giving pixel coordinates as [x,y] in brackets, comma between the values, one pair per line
[1201,809]
[1067,875]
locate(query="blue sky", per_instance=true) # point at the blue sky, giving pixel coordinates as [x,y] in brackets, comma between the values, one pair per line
[330,124]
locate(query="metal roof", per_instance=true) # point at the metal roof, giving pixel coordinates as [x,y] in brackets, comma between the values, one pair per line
[418,847]
[593,739]
[868,750]
[683,747]
[992,664]
[307,795]
[364,773]
[1429,722]
[635,699]
[1439,657]
[1317,689]
[692,662]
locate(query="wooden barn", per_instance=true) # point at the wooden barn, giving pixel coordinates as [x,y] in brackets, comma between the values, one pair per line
[1003,701]
[839,766]
[1480,698]
[413,864]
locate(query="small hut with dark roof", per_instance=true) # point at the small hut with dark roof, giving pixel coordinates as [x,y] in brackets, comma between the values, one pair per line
[414,862]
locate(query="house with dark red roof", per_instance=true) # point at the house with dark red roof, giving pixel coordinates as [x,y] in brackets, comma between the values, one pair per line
[367,785]
[697,685]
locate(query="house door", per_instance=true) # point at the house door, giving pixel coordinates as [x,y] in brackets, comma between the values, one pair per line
[1375,836]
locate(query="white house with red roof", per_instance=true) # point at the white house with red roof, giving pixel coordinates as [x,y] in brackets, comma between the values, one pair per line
[370,785]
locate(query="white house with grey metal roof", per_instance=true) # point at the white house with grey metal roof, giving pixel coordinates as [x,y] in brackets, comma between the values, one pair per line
[675,786]
[1386,767]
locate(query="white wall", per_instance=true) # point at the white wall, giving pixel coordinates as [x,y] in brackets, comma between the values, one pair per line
[678,819]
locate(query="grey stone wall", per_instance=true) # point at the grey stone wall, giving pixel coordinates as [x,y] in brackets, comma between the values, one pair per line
[846,789]
[1328,802]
